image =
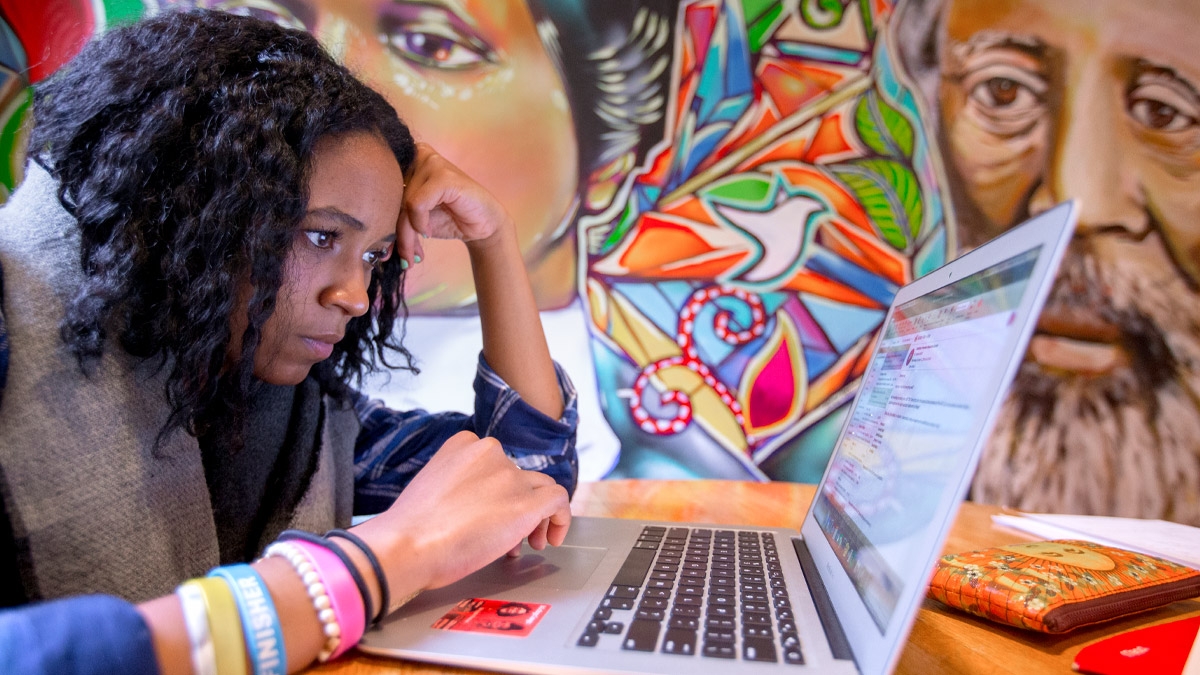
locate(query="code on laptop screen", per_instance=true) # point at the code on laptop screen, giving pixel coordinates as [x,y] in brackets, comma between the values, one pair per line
[923,398]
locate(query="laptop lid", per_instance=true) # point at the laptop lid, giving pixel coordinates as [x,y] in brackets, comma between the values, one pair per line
[949,348]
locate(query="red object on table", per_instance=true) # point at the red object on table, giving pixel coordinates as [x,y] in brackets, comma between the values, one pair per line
[1156,649]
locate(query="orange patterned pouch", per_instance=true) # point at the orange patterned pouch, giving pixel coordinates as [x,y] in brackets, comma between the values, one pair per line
[1057,586]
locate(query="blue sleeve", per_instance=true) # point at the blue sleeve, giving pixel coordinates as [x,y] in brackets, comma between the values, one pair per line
[393,446]
[76,636]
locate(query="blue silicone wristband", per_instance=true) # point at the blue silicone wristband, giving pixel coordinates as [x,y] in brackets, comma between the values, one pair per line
[260,621]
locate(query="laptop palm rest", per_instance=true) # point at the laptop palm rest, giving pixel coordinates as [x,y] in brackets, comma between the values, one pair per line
[560,567]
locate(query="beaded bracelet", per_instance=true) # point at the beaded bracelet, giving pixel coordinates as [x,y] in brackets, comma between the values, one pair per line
[363,591]
[345,599]
[195,619]
[384,593]
[316,592]
[260,621]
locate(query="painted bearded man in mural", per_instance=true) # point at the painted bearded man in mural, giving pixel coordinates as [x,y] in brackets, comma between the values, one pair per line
[1046,100]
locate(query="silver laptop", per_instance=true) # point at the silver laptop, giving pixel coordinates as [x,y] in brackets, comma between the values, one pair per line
[839,595]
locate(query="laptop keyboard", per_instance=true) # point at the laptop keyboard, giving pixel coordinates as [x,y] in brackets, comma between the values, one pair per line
[699,592]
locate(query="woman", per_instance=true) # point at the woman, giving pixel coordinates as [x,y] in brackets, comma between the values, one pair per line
[207,252]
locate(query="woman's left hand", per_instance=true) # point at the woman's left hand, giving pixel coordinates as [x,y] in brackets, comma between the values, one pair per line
[442,202]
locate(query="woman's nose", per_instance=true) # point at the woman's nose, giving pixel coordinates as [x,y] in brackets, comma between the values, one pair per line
[347,291]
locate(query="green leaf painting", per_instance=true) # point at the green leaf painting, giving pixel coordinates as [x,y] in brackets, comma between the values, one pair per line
[749,191]
[891,194]
[882,127]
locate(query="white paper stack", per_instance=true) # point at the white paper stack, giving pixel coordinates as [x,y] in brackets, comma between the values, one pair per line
[1170,541]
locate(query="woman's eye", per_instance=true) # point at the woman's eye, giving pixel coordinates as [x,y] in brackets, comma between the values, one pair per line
[375,258]
[433,38]
[320,238]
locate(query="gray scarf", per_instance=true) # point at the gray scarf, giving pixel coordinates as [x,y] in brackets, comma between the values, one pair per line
[94,508]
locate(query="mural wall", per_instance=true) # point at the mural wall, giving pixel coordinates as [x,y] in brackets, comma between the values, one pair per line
[718,199]
[737,285]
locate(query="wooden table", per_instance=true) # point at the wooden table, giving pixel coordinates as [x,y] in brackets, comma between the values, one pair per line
[942,640]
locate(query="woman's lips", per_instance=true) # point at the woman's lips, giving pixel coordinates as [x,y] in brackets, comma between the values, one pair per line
[321,348]
[1077,340]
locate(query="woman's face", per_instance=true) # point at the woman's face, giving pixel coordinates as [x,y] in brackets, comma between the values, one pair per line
[355,193]
[473,79]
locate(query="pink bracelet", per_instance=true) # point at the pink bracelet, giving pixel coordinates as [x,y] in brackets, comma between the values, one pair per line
[346,603]
[339,607]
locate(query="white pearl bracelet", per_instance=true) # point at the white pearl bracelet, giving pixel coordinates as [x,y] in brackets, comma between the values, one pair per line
[316,591]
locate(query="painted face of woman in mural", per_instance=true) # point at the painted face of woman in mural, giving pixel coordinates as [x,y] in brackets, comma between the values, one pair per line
[1097,100]
[473,79]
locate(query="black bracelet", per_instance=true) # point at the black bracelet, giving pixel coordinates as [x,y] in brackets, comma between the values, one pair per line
[384,594]
[324,543]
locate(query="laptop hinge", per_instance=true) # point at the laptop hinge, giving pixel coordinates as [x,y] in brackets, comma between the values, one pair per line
[829,621]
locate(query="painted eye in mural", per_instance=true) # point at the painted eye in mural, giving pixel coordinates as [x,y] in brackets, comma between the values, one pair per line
[432,37]
[1161,105]
[1004,98]
[281,13]
[1006,90]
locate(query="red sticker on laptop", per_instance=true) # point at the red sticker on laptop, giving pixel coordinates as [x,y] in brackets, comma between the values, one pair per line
[498,617]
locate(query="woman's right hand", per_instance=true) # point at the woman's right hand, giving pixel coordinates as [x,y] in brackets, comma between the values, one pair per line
[466,508]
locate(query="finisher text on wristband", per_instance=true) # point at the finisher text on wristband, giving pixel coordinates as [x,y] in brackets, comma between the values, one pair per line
[260,621]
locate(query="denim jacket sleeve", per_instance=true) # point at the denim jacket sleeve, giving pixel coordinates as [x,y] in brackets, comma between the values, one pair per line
[394,445]
[76,636]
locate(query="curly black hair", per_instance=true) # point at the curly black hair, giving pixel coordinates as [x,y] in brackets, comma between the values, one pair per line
[183,145]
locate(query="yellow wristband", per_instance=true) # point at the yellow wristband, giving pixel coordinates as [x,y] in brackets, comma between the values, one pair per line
[225,625]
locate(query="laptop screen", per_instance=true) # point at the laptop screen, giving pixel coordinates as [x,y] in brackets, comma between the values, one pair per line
[931,381]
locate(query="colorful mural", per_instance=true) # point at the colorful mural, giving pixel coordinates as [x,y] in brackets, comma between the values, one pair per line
[717,199]
[745,186]
[737,287]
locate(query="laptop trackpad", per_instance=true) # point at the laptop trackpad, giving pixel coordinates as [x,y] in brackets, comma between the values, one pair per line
[561,567]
